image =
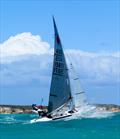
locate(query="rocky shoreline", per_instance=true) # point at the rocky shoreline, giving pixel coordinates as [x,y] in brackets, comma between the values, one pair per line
[12,109]
[17,109]
[108,107]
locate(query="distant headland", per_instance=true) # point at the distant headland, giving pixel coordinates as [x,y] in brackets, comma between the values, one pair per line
[27,109]
[11,109]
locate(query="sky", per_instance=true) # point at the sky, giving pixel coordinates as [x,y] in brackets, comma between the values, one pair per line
[89,31]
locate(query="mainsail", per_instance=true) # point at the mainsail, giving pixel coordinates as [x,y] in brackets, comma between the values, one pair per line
[60,91]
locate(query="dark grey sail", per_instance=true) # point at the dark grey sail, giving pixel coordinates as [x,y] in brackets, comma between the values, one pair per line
[60,91]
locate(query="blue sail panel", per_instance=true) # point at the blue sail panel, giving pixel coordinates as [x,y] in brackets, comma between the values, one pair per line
[60,91]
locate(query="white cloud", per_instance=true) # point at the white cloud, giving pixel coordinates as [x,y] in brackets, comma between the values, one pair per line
[22,44]
[26,59]
[96,67]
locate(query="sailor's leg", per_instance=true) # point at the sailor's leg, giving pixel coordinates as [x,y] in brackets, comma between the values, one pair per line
[39,113]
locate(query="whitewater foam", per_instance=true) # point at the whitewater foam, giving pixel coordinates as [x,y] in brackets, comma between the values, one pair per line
[90,111]
[7,119]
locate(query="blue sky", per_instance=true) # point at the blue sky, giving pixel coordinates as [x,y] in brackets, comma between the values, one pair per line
[91,27]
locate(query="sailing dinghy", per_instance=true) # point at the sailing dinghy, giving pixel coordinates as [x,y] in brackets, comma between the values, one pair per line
[64,100]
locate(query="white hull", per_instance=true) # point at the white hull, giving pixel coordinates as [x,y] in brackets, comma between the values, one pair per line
[44,119]
[35,111]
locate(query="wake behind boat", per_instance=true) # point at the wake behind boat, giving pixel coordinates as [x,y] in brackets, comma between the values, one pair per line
[66,96]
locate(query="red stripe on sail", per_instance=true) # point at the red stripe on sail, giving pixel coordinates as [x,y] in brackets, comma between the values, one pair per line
[58,39]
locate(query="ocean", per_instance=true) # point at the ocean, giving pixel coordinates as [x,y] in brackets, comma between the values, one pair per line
[91,126]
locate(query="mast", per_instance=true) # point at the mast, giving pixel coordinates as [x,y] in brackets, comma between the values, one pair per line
[60,91]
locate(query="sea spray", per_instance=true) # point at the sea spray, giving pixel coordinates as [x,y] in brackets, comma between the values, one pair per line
[90,111]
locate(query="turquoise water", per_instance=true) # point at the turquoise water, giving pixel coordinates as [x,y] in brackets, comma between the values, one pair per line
[18,126]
